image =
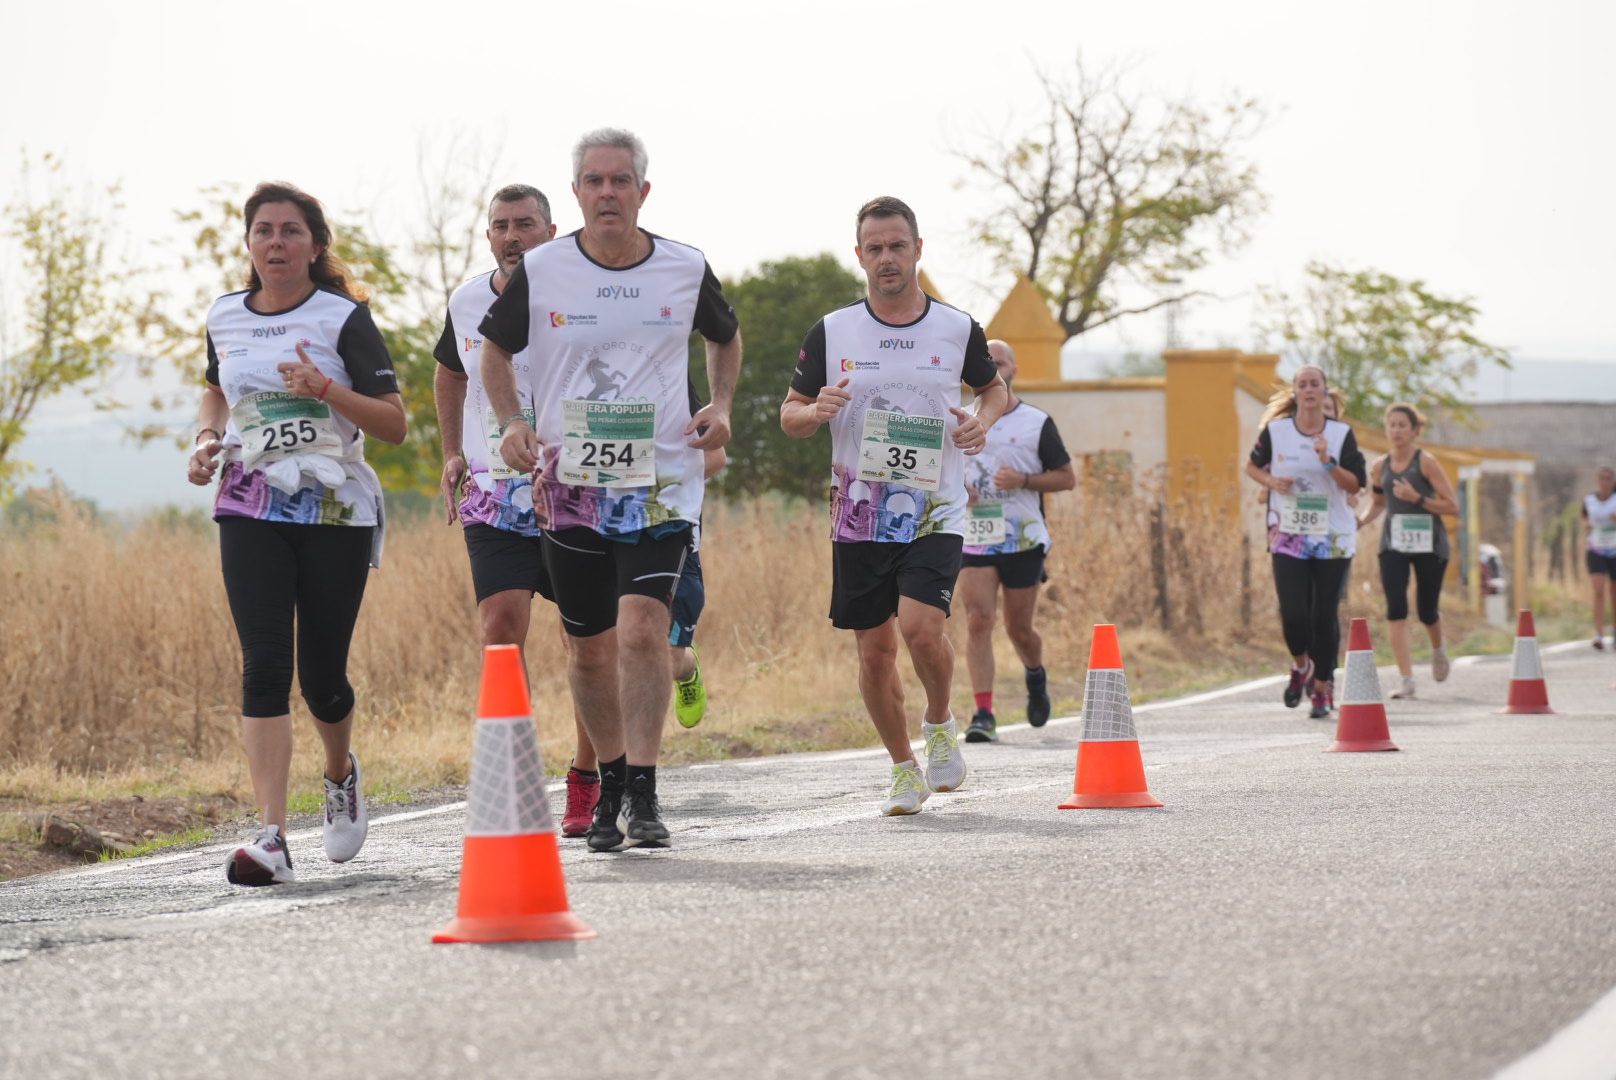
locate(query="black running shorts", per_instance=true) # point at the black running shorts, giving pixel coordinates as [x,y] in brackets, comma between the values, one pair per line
[589,572]
[869,576]
[504,561]
[1601,564]
[1017,570]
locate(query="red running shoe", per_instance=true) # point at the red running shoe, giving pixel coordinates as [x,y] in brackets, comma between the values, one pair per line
[583,792]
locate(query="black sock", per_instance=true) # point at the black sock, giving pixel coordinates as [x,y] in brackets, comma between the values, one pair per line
[1035,674]
[587,774]
[642,778]
[614,774]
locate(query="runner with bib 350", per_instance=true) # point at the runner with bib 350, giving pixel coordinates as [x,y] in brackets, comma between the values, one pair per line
[1310,464]
[1005,543]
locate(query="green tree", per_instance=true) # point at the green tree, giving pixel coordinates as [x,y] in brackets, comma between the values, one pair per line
[77,300]
[1115,197]
[776,305]
[1381,339]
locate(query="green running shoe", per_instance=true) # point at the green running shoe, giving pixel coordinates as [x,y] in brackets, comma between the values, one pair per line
[690,695]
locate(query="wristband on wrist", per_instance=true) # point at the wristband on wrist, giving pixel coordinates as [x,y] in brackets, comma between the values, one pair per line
[321,395]
[197,441]
[1332,464]
[511,419]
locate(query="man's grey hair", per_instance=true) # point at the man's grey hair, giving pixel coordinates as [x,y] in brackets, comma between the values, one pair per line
[617,137]
[516,193]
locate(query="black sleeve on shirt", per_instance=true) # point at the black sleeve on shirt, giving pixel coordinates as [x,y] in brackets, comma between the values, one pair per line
[809,378]
[1051,451]
[447,352]
[364,354]
[212,374]
[715,319]
[1352,459]
[506,323]
[1263,453]
[978,369]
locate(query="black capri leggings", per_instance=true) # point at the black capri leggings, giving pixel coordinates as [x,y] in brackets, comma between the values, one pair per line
[1309,602]
[274,572]
[1428,572]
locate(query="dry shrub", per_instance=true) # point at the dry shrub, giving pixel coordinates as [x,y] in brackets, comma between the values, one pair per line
[118,656]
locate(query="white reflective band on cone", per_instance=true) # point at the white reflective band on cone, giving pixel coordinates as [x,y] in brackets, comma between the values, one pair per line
[1107,715]
[507,796]
[1363,681]
[1526,662]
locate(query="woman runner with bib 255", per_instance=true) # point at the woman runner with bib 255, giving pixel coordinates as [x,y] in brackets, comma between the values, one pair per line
[297,376]
[1413,490]
[1310,464]
[1599,514]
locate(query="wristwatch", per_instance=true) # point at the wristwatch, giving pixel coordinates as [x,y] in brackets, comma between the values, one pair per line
[1332,464]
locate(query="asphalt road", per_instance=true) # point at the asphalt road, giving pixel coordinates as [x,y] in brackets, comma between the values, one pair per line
[1439,912]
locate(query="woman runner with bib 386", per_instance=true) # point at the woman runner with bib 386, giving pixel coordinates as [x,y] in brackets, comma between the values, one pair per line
[1310,465]
[1413,490]
[297,376]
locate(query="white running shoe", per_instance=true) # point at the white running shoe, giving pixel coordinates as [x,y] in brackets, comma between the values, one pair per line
[346,822]
[945,765]
[909,790]
[1439,665]
[1407,691]
[265,861]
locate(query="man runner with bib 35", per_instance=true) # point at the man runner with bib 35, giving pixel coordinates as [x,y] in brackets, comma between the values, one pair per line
[884,373]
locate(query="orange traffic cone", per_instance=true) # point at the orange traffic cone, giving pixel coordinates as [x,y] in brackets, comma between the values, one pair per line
[511,888]
[1110,773]
[1362,724]
[1528,692]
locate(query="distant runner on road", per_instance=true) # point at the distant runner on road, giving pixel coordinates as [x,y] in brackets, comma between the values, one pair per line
[297,376]
[1599,517]
[884,373]
[1413,490]
[1006,540]
[1310,464]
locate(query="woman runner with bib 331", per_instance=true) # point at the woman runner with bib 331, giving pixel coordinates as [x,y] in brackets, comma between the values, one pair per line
[1412,489]
[297,376]
[1310,464]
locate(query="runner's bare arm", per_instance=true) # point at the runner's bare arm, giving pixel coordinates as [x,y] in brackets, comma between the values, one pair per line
[519,446]
[449,393]
[723,372]
[801,415]
[1063,478]
[1267,479]
[211,417]
[380,417]
[1446,500]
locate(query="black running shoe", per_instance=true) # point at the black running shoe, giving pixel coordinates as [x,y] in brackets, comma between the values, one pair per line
[605,831]
[983,727]
[1299,680]
[1037,698]
[640,820]
[1321,704]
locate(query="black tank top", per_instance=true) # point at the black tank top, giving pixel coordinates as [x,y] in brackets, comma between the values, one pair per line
[1396,506]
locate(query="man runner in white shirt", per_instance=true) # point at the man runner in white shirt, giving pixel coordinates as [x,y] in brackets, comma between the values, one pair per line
[885,374]
[1005,544]
[605,316]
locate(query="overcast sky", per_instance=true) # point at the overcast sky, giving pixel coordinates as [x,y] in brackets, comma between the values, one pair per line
[1468,144]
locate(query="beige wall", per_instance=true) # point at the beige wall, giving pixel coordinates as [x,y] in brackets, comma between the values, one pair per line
[1095,421]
